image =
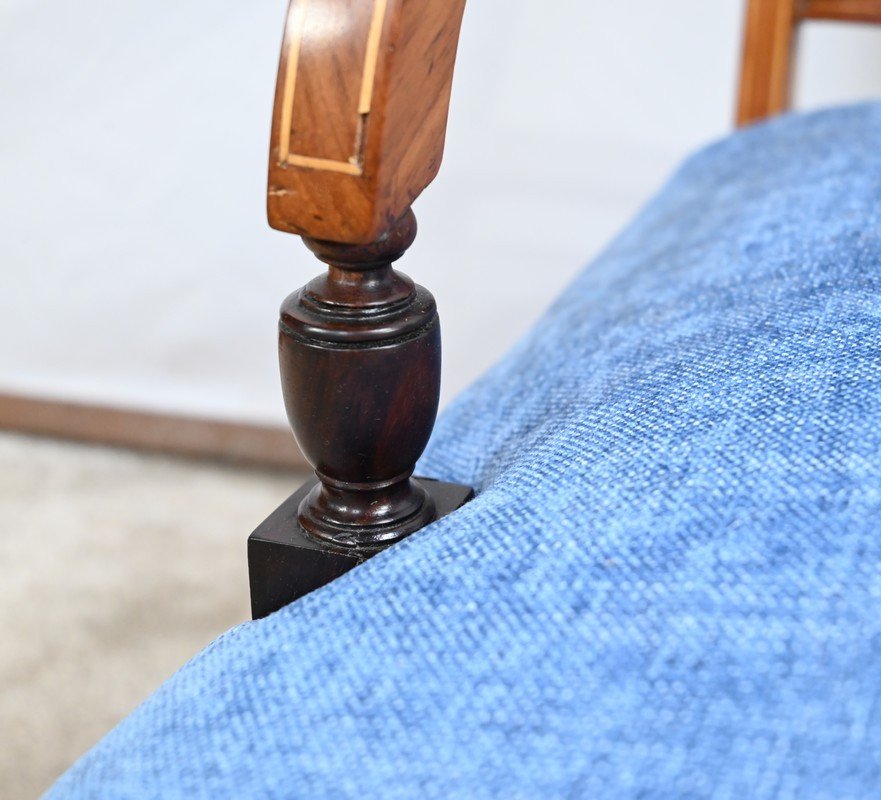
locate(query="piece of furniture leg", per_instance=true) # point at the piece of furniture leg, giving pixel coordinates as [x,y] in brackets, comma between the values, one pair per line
[360,363]
[286,563]
[358,132]
[359,350]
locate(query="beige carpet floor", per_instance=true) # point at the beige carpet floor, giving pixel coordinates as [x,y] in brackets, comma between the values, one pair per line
[115,568]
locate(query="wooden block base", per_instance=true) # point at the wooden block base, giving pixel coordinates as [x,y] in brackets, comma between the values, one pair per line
[285,563]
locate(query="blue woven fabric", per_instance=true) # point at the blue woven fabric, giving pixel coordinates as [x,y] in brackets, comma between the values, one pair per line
[669,584]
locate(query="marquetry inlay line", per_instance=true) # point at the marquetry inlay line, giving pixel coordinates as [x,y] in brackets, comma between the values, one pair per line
[371,57]
[354,165]
[296,23]
[326,164]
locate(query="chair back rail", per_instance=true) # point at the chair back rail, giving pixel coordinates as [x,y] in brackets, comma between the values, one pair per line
[770,43]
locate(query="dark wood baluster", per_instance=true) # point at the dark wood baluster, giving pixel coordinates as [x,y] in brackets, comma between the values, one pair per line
[360,359]
[360,364]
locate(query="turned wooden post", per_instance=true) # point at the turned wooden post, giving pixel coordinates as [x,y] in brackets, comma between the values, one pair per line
[357,133]
[360,367]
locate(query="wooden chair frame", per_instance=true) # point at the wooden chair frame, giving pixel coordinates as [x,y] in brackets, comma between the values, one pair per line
[358,132]
[769,48]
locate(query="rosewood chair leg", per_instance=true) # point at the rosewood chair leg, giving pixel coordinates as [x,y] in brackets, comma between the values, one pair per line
[358,131]
[360,357]
[360,364]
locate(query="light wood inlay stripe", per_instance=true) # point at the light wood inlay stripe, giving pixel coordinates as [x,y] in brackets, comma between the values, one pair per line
[297,21]
[372,56]
[328,164]
[297,24]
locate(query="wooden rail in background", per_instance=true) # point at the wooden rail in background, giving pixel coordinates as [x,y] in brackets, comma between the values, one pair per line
[770,43]
[189,437]
[844,10]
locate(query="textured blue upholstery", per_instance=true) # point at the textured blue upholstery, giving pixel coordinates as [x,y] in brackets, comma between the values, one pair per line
[669,584]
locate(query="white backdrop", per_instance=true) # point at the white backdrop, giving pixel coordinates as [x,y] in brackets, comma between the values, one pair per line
[138,267]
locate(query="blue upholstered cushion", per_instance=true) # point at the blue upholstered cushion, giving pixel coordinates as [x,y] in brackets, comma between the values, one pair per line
[669,584]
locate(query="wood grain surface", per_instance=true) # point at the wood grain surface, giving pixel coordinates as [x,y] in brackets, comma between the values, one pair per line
[769,48]
[360,113]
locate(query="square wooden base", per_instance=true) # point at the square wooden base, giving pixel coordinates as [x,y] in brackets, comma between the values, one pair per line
[285,563]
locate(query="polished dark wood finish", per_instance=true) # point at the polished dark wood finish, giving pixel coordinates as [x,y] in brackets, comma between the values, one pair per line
[769,48]
[360,364]
[286,563]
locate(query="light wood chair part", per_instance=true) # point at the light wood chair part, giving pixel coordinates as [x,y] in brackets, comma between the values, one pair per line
[769,48]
